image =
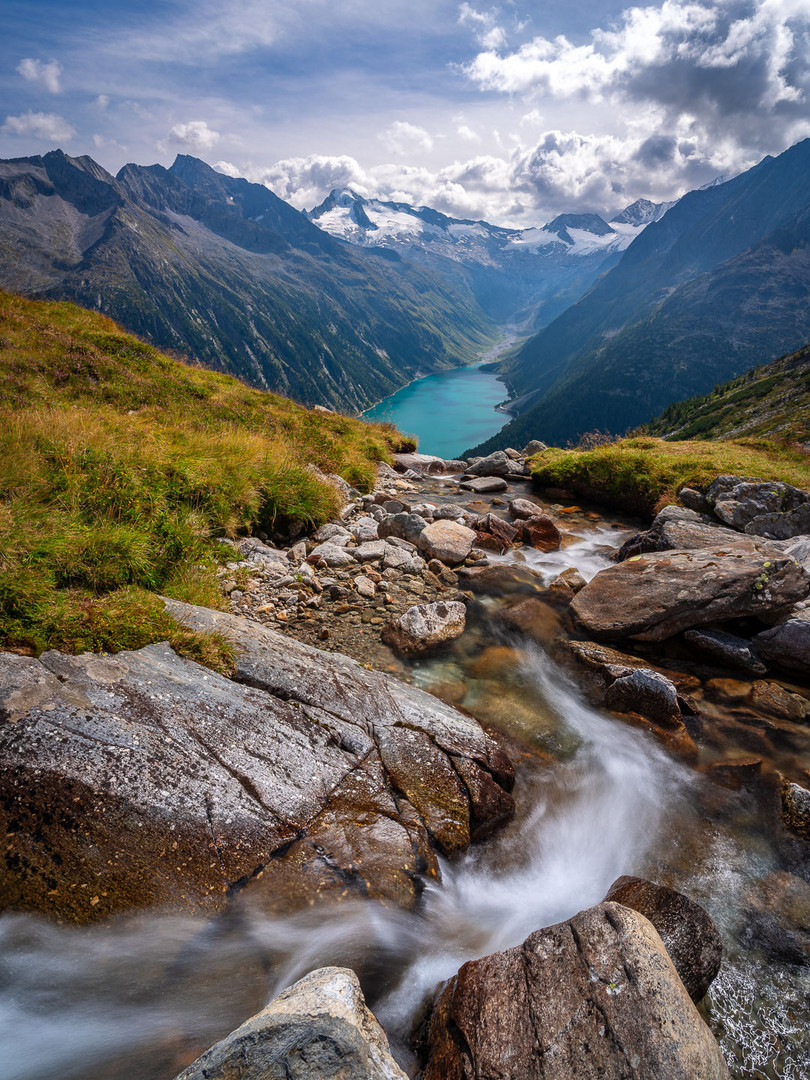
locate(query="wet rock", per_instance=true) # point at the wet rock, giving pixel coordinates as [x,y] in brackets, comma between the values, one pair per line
[796,809]
[688,933]
[774,700]
[646,692]
[594,997]
[737,774]
[540,532]
[523,508]
[403,526]
[728,649]
[499,579]
[651,597]
[777,913]
[494,526]
[330,555]
[446,541]
[787,645]
[484,485]
[425,628]
[497,464]
[495,661]
[569,579]
[534,618]
[317,1029]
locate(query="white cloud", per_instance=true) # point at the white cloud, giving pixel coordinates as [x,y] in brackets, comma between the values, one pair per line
[465,132]
[195,135]
[484,25]
[46,126]
[102,101]
[403,138]
[40,71]
[227,169]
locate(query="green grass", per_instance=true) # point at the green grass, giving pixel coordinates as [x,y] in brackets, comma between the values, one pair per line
[641,474]
[118,467]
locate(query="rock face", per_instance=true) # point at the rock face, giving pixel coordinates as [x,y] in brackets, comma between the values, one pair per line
[651,597]
[788,643]
[446,541]
[146,779]
[689,935]
[318,1029]
[594,997]
[425,628]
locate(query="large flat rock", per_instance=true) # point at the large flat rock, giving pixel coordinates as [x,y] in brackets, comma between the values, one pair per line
[144,778]
[594,998]
[651,597]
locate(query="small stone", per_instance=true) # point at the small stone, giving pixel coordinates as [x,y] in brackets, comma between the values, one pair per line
[365,586]
[372,551]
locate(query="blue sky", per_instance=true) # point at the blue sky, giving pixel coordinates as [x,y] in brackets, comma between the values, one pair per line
[513,112]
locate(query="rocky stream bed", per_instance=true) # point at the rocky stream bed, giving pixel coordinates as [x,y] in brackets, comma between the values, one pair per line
[459,715]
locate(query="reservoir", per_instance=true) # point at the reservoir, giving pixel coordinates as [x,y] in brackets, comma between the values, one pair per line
[448,412]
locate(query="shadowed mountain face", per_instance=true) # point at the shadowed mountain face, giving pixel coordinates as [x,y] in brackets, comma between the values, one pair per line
[224,271]
[718,284]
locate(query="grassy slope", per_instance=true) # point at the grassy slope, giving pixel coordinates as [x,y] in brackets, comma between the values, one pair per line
[641,474]
[117,467]
[772,400]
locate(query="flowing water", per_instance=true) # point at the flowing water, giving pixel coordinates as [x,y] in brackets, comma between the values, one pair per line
[141,998]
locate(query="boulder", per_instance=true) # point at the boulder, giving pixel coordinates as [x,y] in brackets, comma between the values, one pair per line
[523,508]
[484,485]
[540,532]
[370,551]
[502,531]
[727,649]
[330,555]
[693,500]
[533,446]
[688,933]
[146,779]
[332,533]
[647,693]
[448,512]
[762,507]
[651,597]
[497,464]
[568,579]
[677,528]
[787,645]
[594,997]
[425,628]
[317,1029]
[446,541]
[403,526]
[427,464]
[252,549]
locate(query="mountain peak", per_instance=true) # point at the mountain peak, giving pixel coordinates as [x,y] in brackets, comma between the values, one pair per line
[591,223]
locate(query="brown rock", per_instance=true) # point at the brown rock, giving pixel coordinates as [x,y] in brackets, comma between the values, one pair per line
[796,809]
[495,526]
[534,618]
[541,532]
[778,915]
[688,933]
[737,774]
[594,997]
[651,597]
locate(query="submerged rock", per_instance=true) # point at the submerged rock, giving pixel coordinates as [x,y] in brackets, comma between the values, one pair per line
[317,1029]
[688,933]
[425,628]
[594,997]
[651,597]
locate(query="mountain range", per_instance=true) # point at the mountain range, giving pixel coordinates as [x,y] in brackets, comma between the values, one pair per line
[224,271]
[718,284]
[522,277]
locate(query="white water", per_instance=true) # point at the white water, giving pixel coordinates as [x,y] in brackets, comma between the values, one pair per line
[70,998]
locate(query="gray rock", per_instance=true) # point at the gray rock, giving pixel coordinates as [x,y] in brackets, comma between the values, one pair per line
[331,555]
[425,628]
[523,508]
[255,551]
[318,1029]
[337,535]
[728,649]
[646,692]
[396,558]
[651,597]
[594,997]
[426,464]
[782,526]
[787,645]
[448,512]
[364,529]
[693,500]
[447,541]
[484,485]
[371,551]
[404,526]
[741,500]
[534,446]
[497,464]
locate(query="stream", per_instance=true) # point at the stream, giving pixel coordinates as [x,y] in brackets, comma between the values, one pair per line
[141,998]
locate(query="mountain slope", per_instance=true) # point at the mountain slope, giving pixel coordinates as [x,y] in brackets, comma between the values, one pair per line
[772,400]
[515,275]
[720,282]
[202,263]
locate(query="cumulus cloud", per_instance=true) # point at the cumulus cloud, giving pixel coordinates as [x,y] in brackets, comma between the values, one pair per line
[484,25]
[403,138]
[46,126]
[40,71]
[195,135]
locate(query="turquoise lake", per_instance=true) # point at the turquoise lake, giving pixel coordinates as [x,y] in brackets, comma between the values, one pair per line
[448,412]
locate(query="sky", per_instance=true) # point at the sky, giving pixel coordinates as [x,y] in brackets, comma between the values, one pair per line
[512,113]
